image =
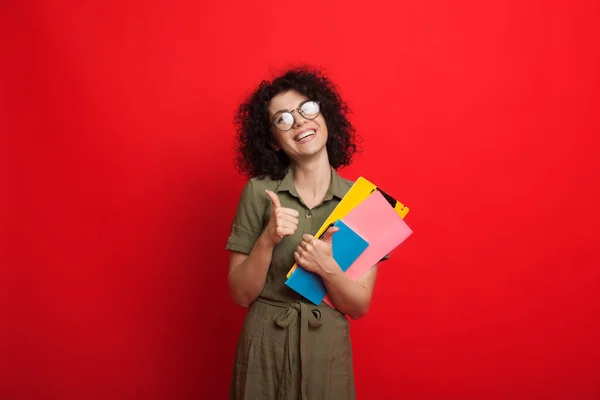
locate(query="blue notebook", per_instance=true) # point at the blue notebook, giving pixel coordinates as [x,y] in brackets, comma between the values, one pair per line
[346,245]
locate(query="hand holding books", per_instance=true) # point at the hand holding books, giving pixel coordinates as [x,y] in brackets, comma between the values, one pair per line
[370,226]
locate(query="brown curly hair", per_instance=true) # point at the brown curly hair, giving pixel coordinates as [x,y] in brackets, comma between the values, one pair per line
[256,156]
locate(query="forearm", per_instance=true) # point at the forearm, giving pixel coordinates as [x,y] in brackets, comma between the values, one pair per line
[350,297]
[247,280]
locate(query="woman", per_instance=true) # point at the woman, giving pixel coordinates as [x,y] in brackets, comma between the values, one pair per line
[292,135]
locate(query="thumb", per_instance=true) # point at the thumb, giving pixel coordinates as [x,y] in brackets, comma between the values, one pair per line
[327,237]
[274,199]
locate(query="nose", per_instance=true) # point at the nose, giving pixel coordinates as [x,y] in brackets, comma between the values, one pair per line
[299,120]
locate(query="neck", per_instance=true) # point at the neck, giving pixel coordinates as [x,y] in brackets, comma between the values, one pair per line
[312,178]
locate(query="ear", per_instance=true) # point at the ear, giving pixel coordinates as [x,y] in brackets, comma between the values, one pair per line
[274,144]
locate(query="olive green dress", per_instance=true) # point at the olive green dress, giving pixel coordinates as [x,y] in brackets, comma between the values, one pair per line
[288,348]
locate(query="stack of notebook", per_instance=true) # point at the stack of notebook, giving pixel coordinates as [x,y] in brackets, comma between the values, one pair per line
[371,225]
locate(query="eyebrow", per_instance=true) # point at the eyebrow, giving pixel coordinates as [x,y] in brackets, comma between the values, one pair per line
[286,110]
[279,112]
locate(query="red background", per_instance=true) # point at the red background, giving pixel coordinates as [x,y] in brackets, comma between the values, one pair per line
[117,155]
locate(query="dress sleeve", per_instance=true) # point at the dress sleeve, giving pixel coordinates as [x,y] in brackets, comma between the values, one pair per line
[248,221]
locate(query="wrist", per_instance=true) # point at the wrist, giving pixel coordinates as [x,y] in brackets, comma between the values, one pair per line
[264,242]
[330,269]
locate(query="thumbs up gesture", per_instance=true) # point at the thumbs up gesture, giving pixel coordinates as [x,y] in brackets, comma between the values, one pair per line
[283,221]
[316,255]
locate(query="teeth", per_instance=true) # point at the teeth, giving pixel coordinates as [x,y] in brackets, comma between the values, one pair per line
[305,134]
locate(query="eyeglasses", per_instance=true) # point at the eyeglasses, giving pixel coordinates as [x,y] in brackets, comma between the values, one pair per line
[284,121]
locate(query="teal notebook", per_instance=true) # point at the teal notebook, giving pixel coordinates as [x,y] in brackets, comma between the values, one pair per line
[346,246]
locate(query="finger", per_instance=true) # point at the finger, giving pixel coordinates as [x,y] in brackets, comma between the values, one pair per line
[308,238]
[281,213]
[291,227]
[286,231]
[274,199]
[290,231]
[287,219]
[287,225]
[289,211]
[329,234]
[299,257]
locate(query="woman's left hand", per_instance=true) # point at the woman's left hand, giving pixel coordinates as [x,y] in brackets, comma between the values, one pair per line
[316,255]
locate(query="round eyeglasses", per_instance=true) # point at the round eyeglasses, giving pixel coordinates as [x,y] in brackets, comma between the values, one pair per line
[284,120]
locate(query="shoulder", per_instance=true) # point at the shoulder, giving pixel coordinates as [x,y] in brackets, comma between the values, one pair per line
[263,183]
[340,185]
[255,188]
[346,183]
[258,185]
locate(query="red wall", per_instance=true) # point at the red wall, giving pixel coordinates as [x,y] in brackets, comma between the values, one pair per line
[481,116]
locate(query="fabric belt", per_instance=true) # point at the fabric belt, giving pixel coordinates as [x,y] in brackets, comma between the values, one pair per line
[310,316]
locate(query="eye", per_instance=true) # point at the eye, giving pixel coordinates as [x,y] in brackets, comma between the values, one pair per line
[310,108]
[286,118]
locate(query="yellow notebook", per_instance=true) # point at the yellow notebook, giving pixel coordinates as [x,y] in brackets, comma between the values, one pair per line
[360,190]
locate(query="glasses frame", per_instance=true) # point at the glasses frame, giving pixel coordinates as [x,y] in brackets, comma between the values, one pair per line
[291,112]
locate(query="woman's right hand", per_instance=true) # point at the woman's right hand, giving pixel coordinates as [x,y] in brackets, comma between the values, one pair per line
[283,221]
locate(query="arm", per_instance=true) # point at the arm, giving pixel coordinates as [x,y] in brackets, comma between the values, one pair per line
[350,297]
[248,273]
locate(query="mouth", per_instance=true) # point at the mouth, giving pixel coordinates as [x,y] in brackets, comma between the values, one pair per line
[305,135]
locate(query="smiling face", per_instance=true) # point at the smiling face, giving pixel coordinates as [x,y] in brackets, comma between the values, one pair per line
[307,138]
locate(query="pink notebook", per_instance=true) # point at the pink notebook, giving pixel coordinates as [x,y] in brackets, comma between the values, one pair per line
[380,225]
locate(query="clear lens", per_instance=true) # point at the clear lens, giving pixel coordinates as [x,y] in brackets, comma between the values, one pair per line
[284,121]
[310,109]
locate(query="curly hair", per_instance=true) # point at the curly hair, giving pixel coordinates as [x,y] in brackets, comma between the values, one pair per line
[256,156]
